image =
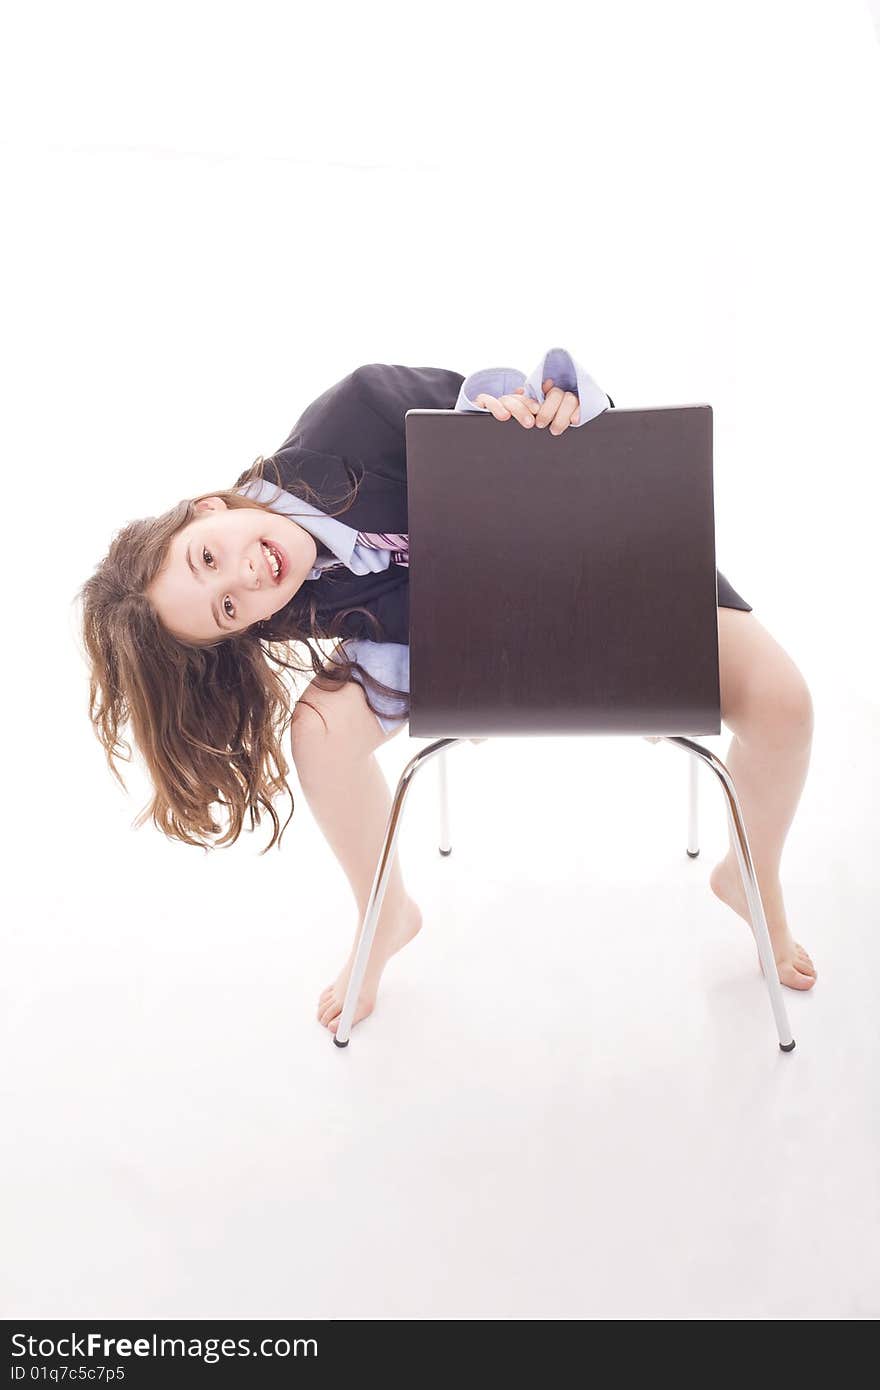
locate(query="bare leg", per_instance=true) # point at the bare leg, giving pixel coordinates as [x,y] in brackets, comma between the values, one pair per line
[767,705]
[351,801]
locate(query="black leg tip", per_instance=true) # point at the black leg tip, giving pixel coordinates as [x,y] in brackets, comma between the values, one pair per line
[692,853]
[345,1044]
[446,852]
[787,1047]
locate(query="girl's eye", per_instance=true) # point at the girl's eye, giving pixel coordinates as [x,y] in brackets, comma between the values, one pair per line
[227,602]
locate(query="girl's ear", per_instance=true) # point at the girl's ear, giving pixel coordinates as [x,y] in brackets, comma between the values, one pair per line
[211,504]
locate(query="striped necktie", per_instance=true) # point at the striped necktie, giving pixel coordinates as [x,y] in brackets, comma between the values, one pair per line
[395,541]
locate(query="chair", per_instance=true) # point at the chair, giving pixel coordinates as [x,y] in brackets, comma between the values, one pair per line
[607,570]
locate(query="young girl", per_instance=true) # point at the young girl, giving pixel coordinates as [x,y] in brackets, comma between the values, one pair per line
[188,623]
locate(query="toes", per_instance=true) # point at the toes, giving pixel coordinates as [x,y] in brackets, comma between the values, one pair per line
[803,981]
[803,962]
[330,1010]
[797,972]
[796,979]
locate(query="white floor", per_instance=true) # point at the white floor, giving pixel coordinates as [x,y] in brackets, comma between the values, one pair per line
[570,1102]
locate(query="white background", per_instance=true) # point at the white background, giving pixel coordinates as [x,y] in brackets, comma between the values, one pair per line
[570,1102]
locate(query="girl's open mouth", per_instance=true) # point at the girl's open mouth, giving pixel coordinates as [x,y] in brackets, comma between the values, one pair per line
[276,561]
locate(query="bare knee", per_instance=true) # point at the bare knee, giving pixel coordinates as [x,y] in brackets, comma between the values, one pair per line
[308,734]
[318,745]
[764,697]
[329,730]
[779,708]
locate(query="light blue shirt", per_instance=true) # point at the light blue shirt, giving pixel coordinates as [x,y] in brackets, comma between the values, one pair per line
[389,661]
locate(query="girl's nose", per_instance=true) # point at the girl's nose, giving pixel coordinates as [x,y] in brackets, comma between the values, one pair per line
[251,573]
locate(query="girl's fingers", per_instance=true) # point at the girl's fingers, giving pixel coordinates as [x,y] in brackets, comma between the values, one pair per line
[521,407]
[549,407]
[565,413]
[557,410]
[530,408]
[492,403]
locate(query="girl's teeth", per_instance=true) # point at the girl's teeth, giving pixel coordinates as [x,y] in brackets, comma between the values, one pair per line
[274,562]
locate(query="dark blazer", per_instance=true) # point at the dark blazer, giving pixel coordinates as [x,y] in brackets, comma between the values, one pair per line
[356,430]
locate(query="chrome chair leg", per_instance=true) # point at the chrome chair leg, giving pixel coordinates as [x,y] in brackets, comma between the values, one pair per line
[445,846]
[693,804]
[750,884]
[380,883]
[740,839]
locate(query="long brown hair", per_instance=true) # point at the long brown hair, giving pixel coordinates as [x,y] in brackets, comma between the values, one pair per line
[207,718]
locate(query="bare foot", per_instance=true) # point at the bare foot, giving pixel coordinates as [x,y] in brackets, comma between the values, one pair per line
[794,965]
[390,937]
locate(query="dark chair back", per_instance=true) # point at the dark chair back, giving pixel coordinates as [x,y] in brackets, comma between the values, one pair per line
[562,584]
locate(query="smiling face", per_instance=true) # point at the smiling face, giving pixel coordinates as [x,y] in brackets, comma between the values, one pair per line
[228,568]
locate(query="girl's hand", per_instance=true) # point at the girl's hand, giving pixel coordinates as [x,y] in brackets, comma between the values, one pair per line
[559,410]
